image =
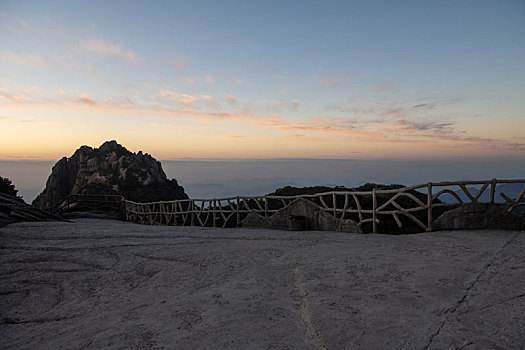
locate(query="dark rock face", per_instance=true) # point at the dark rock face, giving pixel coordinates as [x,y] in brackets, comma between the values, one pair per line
[109,169]
[473,216]
[14,209]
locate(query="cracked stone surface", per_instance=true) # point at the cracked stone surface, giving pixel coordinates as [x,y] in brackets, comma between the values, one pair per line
[97,284]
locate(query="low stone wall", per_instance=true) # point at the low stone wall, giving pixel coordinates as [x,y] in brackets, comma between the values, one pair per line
[473,216]
[316,218]
[469,216]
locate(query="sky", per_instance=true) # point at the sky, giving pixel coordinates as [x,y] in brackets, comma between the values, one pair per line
[264,79]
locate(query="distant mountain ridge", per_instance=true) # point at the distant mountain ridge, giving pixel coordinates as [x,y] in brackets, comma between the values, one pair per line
[109,169]
[296,191]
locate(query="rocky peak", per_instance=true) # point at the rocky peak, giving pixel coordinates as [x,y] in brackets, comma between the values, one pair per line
[109,169]
[111,146]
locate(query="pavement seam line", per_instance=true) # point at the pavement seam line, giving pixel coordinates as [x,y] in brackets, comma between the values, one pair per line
[305,311]
[468,291]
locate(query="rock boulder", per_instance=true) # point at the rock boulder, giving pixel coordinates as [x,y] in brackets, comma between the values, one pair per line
[473,216]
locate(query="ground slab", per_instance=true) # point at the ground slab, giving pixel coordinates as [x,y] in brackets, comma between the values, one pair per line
[95,284]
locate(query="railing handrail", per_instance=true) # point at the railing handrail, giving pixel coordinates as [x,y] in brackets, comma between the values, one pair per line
[85,198]
[216,208]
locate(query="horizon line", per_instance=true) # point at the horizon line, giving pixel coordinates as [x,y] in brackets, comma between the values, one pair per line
[207,159]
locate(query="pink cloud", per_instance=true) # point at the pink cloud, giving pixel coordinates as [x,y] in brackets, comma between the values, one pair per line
[237,80]
[384,88]
[17,24]
[323,126]
[230,136]
[188,80]
[184,99]
[86,100]
[394,127]
[231,100]
[15,97]
[181,66]
[106,49]
[24,60]
[333,82]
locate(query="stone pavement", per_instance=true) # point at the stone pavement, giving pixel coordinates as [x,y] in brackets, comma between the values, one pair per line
[97,284]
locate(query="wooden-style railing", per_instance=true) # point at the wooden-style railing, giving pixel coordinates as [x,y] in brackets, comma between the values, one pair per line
[420,204]
[88,201]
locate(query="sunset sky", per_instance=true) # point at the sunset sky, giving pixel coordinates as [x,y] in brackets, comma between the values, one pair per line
[264,79]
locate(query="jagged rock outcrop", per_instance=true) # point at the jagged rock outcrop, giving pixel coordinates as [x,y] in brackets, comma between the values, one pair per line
[109,169]
[14,209]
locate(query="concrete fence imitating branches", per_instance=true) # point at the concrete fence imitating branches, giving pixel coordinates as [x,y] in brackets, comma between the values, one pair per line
[87,202]
[420,204]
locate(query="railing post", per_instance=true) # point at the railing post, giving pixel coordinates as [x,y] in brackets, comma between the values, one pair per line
[335,205]
[238,213]
[169,213]
[174,207]
[345,207]
[265,207]
[374,209]
[214,201]
[429,206]
[493,190]
[192,206]
[151,210]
